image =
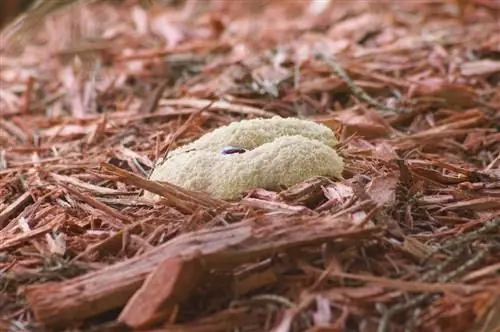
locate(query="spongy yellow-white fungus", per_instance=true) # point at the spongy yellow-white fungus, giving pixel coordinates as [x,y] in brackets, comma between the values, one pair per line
[250,134]
[282,152]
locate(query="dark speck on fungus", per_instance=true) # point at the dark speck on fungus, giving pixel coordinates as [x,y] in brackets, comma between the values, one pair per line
[232,150]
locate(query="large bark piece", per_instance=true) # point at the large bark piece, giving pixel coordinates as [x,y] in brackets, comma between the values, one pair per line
[111,287]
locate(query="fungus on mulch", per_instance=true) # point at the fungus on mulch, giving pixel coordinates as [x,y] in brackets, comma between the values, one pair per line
[280,153]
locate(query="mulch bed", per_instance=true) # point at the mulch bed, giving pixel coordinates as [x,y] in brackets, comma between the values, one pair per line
[96,93]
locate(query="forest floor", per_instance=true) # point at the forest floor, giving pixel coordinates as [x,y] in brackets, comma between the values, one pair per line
[408,240]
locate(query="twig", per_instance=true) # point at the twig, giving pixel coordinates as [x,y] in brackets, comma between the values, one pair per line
[222,105]
[456,242]
[181,198]
[356,90]
[384,324]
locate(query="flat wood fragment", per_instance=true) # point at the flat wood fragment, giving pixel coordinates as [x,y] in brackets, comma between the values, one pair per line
[14,207]
[169,283]
[20,239]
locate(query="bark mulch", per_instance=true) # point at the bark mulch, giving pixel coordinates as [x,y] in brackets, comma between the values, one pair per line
[92,95]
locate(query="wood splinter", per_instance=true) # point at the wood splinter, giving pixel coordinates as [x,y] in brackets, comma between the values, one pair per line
[170,283]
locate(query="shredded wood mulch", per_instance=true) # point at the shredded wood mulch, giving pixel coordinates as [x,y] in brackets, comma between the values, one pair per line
[409,240]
